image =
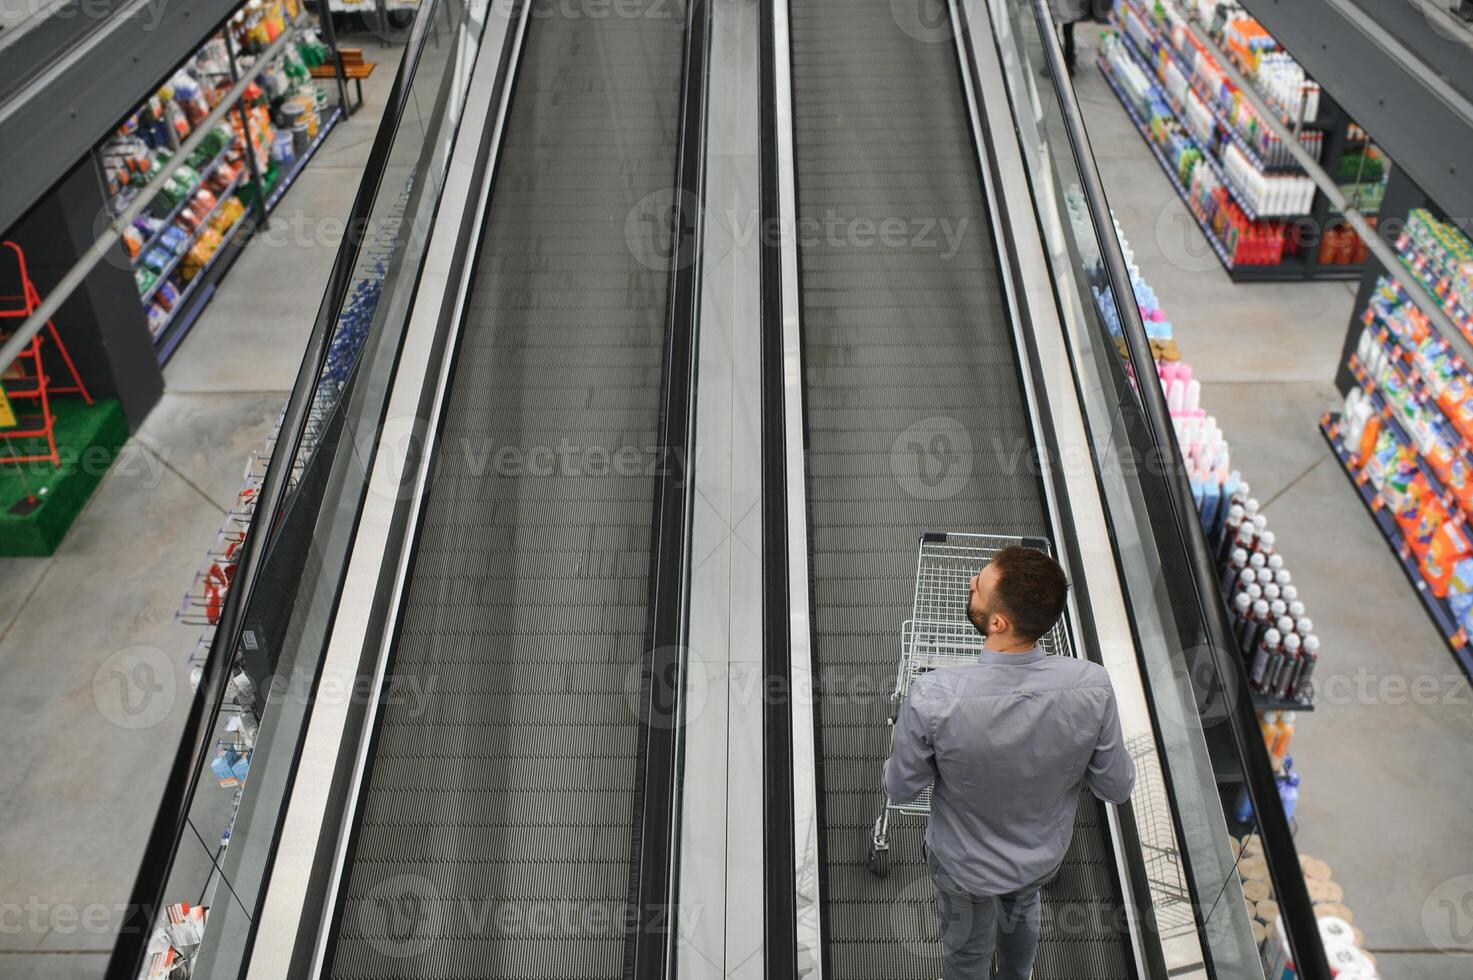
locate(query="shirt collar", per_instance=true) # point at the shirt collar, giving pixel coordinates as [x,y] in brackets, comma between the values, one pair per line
[1029,657]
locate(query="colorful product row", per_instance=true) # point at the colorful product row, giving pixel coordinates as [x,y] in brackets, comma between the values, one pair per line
[1244,241]
[1442,256]
[1168,32]
[1280,79]
[1275,636]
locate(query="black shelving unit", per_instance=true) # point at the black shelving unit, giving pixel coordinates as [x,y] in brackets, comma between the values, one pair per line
[1437,609]
[1402,197]
[1304,264]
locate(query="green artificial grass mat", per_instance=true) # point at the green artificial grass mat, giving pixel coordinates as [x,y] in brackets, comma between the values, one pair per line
[87,440]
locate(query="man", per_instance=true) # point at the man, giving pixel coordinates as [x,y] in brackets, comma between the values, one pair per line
[1008,743]
[1067,13]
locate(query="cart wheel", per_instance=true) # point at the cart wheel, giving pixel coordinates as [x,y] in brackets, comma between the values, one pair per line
[879,862]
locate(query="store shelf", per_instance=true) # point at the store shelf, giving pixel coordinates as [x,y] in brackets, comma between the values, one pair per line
[1442,617]
[169,269]
[1198,85]
[1290,269]
[1405,357]
[1265,703]
[284,184]
[182,317]
[1460,316]
[1218,248]
[204,175]
[1400,431]
[1208,156]
[1326,271]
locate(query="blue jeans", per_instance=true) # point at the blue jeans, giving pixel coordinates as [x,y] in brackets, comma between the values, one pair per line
[972,926]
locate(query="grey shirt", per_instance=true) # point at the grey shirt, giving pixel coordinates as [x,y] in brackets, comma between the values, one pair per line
[1008,744]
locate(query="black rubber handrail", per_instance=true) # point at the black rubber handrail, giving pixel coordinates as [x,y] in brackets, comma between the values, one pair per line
[197,741]
[650,947]
[1280,853]
[779,850]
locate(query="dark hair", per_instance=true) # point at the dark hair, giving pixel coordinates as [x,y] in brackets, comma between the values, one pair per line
[1031,588]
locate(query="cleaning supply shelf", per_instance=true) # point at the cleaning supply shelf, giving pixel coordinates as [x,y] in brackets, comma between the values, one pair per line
[1442,617]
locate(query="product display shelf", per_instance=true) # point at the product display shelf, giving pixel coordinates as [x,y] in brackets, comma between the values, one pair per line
[1290,269]
[206,598]
[1339,272]
[1214,105]
[1404,357]
[284,184]
[1456,311]
[182,317]
[1218,248]
[1399,429]
[204,175]
[1264,702]
[169,269]
[1206,458]
[1442,617]
[1209,157]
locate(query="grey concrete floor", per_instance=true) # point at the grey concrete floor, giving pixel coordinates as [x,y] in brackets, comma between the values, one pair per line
[83,773]
[1387,795]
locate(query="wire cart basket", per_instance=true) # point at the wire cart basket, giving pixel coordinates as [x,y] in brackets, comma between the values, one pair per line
[1171,898]
[937,635]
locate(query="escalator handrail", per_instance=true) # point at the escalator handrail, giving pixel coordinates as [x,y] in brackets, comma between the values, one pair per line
[1280,853]
[196,742]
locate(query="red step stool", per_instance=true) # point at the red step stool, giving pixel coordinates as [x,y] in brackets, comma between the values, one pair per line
[25,379]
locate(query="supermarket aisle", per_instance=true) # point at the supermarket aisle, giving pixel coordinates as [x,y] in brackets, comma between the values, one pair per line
[84,768]
[1387,794]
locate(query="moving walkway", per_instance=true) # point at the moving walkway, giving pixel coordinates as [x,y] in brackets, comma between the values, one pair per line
[697,316]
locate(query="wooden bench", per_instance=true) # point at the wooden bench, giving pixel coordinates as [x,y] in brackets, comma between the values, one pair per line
[355,70]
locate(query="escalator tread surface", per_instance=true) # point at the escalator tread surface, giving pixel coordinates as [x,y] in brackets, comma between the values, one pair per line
[495,828]
[916,421]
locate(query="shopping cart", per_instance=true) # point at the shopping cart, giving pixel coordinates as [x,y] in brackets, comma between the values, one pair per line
[938,634]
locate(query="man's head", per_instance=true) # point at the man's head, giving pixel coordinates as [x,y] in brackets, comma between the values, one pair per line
[1018,596]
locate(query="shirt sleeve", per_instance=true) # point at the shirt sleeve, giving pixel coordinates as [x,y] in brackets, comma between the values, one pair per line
[912,763]
[1111,773]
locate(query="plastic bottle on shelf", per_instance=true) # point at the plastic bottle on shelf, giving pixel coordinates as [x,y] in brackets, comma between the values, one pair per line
[1242,608]
[1283,736]
[1284,666]
[1254,627]
[1303,687]
[1243,807]
[1237,564]
[1242,540]
[1268,647]
[1289,788]
[1268,723]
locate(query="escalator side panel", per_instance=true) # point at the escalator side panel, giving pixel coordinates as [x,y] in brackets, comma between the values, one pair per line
[499,809]
[917,421]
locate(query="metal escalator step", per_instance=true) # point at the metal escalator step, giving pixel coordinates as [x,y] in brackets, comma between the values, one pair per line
[495,831]
[895,338]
